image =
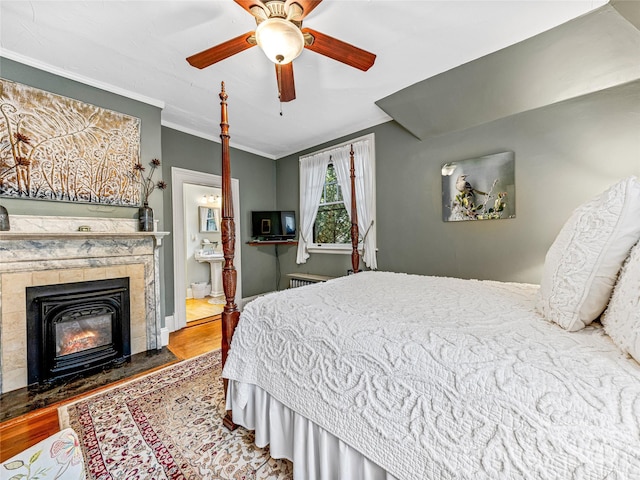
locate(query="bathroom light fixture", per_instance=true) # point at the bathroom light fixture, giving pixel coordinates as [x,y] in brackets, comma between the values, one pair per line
[280,40]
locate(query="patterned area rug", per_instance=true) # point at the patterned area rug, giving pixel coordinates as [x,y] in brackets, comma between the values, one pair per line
[168,425]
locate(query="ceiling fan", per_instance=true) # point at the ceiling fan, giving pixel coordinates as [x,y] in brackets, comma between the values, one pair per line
[280,34]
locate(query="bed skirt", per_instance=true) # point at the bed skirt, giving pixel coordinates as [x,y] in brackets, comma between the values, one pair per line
[316,454]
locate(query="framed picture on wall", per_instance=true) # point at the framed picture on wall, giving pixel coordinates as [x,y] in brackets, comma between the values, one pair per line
[481,188]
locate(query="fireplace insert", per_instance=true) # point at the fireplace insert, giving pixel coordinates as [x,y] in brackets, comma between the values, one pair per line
[75,329]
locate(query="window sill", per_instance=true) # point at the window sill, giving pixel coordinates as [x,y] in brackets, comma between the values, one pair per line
[332,248]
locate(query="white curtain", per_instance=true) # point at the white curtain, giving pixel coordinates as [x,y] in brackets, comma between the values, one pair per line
[313,170]
[365,201]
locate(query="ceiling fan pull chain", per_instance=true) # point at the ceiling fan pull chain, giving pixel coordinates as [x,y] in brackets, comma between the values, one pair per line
[279,80]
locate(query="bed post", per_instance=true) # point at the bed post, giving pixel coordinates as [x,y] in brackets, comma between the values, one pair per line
[355,256]
[230,314]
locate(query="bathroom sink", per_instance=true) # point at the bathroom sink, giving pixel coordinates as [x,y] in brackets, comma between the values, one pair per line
[215,260]
[208,256]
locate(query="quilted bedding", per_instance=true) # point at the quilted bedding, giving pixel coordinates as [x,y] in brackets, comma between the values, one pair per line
[443,378]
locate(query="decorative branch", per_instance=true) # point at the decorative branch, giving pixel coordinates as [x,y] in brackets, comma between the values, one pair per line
[147,183]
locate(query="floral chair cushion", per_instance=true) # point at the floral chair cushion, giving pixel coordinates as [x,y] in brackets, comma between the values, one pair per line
[56,457]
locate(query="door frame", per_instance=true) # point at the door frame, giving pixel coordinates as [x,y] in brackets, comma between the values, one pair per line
[180,176]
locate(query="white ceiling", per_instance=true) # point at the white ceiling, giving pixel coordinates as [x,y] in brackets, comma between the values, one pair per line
[138,48]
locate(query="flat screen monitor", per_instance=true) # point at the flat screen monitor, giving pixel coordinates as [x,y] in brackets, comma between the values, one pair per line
[274,225]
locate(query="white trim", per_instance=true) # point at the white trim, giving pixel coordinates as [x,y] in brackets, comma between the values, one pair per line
[169,323]
[213,138]
[79,78]
[180,176]
[190,131]
[333,248]
[164,336]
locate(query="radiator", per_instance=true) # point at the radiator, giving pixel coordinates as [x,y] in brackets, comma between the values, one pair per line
[297,282]
[302,279]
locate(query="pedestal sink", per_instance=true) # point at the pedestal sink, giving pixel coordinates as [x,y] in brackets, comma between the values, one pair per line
[215,260]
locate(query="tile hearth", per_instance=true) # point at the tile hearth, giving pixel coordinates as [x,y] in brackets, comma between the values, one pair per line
[24,400]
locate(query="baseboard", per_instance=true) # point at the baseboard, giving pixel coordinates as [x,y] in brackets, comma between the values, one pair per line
[170,323]
[164,331]
[164,336]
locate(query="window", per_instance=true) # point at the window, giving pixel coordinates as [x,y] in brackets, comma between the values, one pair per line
[332,223]
[325,200]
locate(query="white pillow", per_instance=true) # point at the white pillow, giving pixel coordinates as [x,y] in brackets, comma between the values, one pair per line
[583,262]
[621,320]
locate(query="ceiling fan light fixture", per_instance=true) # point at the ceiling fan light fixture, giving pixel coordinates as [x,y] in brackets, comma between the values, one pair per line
[280,40]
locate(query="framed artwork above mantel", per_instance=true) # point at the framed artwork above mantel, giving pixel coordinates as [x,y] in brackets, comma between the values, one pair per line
[57,148]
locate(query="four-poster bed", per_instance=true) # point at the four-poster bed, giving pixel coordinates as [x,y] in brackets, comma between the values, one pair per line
[382,375]
[230,313]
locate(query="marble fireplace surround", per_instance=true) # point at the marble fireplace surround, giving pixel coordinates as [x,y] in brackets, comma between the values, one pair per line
[52,250]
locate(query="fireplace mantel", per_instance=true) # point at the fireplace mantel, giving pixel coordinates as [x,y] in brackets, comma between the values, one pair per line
[81,235]
[52,250]
[25,227]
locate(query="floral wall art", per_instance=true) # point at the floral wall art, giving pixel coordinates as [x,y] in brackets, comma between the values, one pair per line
[57,148]
[481,188]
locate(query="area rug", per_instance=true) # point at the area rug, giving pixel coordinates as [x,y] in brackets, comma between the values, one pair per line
[168,425]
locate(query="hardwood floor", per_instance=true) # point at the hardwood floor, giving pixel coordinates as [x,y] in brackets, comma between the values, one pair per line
[197,339]
[200,308]
[20,433]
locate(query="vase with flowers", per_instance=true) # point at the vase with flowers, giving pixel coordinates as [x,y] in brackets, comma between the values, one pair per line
[145,212]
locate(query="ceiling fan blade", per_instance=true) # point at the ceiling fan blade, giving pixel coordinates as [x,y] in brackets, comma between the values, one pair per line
[247,4]
[286,86]
[339,50]
[307,6]
[220,52]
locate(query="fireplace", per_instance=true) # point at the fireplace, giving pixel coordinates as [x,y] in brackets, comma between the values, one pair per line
[40,251]
[74,329]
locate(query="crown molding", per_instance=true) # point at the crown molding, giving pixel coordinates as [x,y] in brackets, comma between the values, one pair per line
[213,138]
[79,78]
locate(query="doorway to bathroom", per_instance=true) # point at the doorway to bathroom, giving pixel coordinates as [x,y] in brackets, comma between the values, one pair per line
[203,252]
[197,248]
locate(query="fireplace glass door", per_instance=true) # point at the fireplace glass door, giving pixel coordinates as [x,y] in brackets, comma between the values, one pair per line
[73,329]
[74,335]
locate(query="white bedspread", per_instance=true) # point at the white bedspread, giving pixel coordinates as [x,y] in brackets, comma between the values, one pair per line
[442,378]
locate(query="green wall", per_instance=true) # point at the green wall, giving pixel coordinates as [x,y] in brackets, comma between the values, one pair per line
[590,53]
[565,154]
[567,102]
[150,144]
[256,175]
